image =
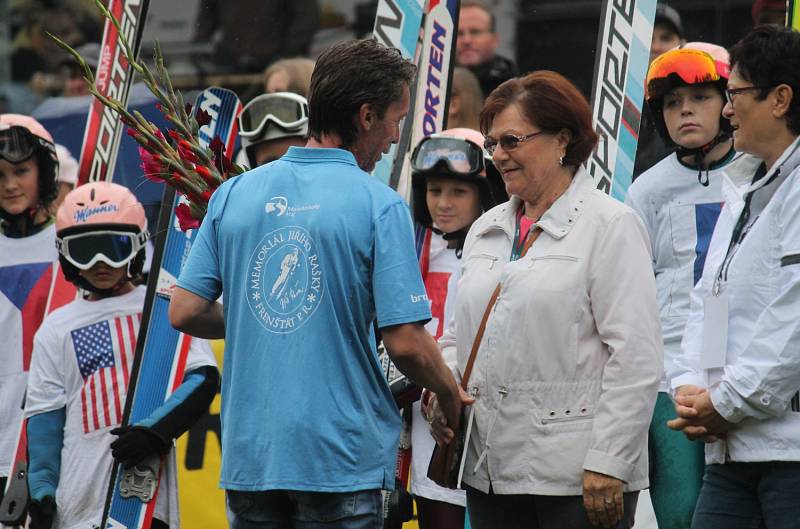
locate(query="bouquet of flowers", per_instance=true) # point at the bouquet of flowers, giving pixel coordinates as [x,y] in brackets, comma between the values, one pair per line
[177,158]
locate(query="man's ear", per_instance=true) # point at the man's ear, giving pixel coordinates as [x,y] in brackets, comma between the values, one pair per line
[366,116]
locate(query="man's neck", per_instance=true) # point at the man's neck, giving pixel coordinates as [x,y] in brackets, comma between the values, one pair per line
[326,141]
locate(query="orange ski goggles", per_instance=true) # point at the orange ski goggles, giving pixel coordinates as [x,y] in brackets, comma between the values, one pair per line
[690,65]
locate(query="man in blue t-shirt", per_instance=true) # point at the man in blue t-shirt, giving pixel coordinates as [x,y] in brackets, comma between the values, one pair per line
[310,251]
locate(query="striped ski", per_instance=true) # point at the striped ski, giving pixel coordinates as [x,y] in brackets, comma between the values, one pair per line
[161,351]
[397,25]
[98,154]
[621,61]
[432,90]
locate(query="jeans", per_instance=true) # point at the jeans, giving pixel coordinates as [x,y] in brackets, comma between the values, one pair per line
[523,511]
[287,509]
[749,496]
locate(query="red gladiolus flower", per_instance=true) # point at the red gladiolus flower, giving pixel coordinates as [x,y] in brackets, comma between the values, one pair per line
[185,151]
[206,196]
[203,118]
[188,109]
[151,165]
[174,135]
[185,219]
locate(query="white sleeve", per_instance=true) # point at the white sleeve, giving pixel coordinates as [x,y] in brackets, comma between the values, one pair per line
[200,354]
[46,390]
[767,372]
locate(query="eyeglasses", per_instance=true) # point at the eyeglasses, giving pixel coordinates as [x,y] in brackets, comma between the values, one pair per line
[731,93]
[114,248]
[509,142]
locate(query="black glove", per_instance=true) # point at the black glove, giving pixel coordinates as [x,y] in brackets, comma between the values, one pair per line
[136,443]
[42,512]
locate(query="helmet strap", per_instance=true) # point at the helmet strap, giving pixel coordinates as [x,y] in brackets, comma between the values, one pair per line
[699,155]
[23,224]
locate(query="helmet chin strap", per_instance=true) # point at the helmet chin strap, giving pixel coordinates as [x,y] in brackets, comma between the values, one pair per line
[699,154]
[454,239]
[22,224]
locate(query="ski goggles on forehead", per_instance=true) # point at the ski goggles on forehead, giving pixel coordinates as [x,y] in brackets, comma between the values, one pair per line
[454,155]
[114,248]
[287,110]
[692,66]
[17,144]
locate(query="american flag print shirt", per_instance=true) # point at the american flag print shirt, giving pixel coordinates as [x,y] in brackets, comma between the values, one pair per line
[104,354]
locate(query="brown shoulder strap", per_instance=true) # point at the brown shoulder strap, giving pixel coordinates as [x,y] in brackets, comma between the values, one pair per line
[479,336]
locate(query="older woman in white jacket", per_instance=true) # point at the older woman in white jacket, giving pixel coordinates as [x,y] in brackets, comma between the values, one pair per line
[568,369]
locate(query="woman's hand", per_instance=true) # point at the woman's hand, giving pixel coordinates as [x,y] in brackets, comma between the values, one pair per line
[442,429]
[602,498]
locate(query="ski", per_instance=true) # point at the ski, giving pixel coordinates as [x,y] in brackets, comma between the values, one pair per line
[397,25]
[113,78]
[434,77]
[621,61]
[161,351]
[98,154]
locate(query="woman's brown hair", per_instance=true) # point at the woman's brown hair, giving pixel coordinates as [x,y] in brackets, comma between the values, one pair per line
[549,101]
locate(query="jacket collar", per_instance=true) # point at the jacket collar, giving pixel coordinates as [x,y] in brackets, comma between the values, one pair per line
[738,181]
[557,221]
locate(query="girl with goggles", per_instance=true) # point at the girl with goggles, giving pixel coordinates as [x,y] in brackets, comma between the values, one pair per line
[453,182]
[101,233]
[28,170]
[81,367]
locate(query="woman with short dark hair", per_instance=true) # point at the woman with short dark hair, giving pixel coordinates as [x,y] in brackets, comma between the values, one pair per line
[567,370]
[736,380]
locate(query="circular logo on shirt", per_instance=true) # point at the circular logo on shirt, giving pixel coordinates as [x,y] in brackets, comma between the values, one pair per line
[284,285]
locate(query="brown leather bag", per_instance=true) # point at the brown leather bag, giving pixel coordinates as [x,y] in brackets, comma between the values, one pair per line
[445,461]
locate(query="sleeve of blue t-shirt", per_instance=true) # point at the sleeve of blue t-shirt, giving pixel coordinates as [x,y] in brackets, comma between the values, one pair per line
[201,272]
[396,281]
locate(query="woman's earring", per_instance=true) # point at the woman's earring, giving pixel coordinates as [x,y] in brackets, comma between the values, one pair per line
[561,160]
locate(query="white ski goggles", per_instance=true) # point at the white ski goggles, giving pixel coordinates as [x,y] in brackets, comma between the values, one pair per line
[114,248]
[287,110]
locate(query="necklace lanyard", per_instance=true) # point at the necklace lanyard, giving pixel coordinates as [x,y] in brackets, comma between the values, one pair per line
[739,230]
[519,242]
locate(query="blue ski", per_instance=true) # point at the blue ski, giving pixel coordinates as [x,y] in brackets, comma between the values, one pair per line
[621,61]
[161,351]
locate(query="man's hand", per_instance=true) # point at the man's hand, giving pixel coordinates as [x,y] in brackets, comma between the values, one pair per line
[443,414]
[697,418]
[602,499]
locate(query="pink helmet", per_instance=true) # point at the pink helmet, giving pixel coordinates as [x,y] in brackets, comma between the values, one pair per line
[101,205]
[22,137]
[19,120]
[100,221]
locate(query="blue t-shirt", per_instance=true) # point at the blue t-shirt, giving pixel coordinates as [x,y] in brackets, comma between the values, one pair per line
[310,250]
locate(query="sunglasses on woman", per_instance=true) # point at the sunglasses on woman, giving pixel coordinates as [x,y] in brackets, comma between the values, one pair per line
[509,141]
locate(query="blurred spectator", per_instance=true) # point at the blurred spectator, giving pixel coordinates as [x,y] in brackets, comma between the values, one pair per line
[71,72]
[477,43]
[254,33]
[466,100]
[667,34]
[269,125]
[289,75]
[667,31]
[769,12]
